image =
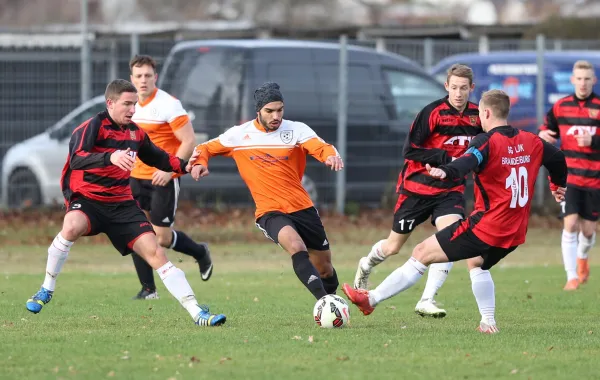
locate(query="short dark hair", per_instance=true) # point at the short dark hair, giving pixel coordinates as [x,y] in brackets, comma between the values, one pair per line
[498,101]
[141,60]
[117,87]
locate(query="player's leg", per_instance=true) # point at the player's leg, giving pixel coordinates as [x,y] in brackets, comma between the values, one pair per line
[141,190]
[137,235]
[162,216]
[587,233]
[408,213]
[483,289]
[77,222]
[428,252]
[570,209]
[281,229]
[312,232]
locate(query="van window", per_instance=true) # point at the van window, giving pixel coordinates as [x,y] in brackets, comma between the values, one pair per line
[412,92]
[67,129]
[209,84]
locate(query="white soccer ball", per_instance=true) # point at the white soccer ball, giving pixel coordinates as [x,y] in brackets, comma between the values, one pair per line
[331,312]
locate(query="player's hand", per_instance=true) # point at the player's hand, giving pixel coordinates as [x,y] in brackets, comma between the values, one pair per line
[548,135]
[122,159]
[584,138]
[199,171]
[435,172]
[559,194]
[160,178]
[335,162]
[195,155]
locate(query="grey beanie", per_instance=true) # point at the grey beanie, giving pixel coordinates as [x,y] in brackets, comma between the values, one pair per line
[267,93]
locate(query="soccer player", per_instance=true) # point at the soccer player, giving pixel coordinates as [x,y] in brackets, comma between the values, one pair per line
[95,184]
[506,162]
[168,126]
[440,132]
[270,153]
[574,120]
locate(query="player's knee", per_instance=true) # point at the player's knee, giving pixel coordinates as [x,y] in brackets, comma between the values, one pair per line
[475,262]
[422,254]
[164,240]
[73,228]
[297,246]
[325,269]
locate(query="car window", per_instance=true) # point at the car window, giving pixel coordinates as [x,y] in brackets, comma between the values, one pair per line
[67,129]
[208,82]
[412,92]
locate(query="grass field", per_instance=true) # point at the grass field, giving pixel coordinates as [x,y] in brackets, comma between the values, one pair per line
[92,330]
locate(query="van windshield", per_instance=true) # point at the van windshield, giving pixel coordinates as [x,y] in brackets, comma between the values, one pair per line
[412,92]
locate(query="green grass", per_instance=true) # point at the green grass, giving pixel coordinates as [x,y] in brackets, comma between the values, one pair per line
[92,330]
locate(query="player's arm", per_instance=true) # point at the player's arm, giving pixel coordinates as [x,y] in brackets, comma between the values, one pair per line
[322,151]
[152,155]
[82,142]
[420,131]
[219,146]
[549,131]
[474,159]
[554,160]
[185,134]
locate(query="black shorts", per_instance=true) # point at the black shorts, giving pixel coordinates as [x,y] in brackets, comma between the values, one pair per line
[159,201]
[307,224]
[411,211]
[122,222]
[460,243]
[585,203]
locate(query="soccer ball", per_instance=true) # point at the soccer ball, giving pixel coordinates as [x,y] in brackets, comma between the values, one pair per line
[331,311]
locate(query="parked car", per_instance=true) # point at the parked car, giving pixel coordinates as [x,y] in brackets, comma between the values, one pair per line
[215,80]
[516,73]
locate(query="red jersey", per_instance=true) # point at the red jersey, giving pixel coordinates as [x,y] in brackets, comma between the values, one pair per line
[438,133]
[569,117]
[89,172]
[506,161]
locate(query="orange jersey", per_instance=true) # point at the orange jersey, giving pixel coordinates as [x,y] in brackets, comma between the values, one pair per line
[159,116]
[271,163]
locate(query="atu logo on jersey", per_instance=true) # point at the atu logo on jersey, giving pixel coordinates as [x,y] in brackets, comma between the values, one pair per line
[580,129]
[459,140]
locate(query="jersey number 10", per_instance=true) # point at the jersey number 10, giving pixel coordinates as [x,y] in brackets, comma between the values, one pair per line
[517,183]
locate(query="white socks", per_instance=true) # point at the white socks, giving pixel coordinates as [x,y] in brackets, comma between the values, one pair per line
[569,252]
[435,279]
[376,255]
[483,290]
[585,245]
[399,280]
[57,255]
[176,283]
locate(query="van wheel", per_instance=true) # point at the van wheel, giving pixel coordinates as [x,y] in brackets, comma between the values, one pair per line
[24,189]
[311,188]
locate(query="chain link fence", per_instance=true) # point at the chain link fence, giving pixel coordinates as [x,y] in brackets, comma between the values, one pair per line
[40,85]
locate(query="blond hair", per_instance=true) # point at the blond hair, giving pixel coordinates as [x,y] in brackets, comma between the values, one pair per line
[461,71]
[498,101]
[585,65]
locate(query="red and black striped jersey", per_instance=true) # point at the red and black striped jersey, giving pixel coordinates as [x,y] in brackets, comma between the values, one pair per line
[89,172]
[506,162]
[438,133]
[569,117]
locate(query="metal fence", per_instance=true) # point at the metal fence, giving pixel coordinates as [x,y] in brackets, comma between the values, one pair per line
[40,85]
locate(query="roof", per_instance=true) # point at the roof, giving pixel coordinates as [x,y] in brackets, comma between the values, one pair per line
[517,56]
[281,43]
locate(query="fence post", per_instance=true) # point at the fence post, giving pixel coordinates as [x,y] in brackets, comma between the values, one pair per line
[428,53]
[113,63]
[484,44]
[380,44]
[135,44]
[557,44]
[540,103]
[85,64]
[340,179]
